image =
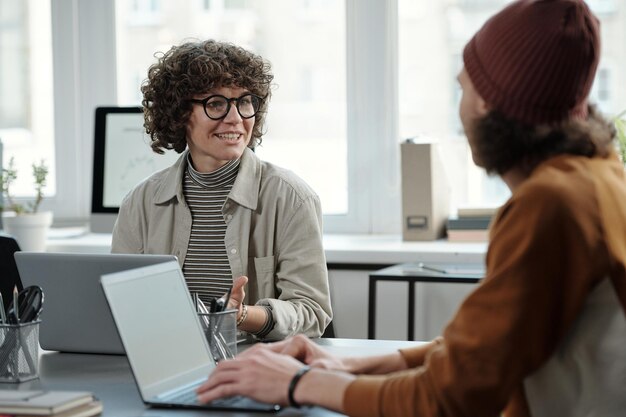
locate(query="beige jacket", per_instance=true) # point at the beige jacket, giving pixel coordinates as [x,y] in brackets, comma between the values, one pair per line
[273,236]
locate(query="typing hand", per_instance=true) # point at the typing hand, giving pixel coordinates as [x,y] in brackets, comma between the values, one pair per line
[303,349]
[264,376]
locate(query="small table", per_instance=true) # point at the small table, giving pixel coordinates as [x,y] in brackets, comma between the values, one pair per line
[418,272]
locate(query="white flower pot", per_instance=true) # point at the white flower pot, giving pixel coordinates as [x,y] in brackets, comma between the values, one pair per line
[29,229]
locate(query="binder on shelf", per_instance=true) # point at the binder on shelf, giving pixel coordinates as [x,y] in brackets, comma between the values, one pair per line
[469,223]
[469,235]
[477,211]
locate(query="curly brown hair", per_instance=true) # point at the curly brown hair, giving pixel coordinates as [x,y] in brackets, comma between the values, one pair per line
[502,143]
[194,68]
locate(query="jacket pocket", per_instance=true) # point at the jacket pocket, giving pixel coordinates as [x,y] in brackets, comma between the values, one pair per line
[264,270]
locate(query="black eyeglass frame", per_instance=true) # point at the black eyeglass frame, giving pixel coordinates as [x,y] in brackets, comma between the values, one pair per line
[204,102]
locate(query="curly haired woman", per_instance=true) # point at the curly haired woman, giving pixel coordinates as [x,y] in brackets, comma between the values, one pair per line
[230,218]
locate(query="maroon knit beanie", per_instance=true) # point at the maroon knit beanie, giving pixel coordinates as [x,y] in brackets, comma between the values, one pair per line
[535,60]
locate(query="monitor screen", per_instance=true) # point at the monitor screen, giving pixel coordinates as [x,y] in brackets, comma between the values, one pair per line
[122,159]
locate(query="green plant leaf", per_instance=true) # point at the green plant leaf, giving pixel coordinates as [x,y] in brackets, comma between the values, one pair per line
[9,174]
[620,128]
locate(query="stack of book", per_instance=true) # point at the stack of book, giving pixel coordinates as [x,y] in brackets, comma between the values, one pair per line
[471,225]
[49,403]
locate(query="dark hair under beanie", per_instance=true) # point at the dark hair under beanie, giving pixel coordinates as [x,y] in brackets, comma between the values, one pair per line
[535,60]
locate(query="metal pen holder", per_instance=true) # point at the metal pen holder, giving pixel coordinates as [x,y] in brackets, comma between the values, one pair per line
[220,329]
[19,351]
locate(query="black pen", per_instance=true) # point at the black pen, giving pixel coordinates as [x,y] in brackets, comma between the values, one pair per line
[227,298]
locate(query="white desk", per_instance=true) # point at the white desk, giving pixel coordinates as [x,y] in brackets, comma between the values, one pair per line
[350,258]
[340,249]
[110,379]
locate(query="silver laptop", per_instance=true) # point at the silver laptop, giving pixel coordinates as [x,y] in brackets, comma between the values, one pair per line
[166,347]
[75,315]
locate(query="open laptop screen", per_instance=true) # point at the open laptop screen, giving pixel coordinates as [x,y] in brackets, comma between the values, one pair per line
[157,323]
[76,317]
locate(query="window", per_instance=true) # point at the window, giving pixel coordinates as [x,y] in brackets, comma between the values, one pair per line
[236,4]
[431,40]
[26,109]
[144,13]
[601,91]
[308,106]
[602,7]
[353,78]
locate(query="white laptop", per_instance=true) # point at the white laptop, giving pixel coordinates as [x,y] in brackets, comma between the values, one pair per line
[166,347]
[75,315]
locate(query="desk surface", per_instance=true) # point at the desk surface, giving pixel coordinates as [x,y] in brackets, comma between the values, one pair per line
[339,249]
[110,379]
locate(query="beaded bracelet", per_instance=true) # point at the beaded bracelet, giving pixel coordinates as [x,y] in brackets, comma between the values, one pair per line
[294,383]
[244,314]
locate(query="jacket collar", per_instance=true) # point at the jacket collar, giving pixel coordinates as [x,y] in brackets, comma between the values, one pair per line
[172,185]
[245,191]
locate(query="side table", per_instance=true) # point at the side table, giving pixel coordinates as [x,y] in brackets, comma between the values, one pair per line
[418,272]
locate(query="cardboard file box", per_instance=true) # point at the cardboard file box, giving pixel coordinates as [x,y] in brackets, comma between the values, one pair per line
[425,191]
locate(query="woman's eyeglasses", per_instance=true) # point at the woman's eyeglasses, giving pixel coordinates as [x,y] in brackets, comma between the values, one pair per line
[216,107]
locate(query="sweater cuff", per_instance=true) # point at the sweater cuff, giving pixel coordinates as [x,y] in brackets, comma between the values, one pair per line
[415,357]
[362,397]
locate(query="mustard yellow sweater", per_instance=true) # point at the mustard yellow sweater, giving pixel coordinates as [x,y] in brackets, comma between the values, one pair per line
[558,236]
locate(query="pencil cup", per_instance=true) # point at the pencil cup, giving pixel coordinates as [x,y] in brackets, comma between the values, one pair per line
[19,351]
[220,329]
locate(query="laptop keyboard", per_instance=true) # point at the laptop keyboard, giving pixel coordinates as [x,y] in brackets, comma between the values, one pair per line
[184,397]
[189,397]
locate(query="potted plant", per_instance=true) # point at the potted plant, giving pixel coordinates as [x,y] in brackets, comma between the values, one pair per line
[620,127]
[24,221]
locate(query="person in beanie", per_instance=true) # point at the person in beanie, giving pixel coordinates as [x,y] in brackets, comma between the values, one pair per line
[545,332]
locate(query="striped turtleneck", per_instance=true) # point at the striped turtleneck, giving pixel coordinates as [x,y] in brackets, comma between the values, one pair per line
[206,266]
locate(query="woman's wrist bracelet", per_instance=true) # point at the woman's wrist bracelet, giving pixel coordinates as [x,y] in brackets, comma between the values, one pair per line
[294,383]
[244,315]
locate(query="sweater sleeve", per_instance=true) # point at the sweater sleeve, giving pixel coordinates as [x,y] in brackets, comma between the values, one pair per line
[545,245]
[416,356]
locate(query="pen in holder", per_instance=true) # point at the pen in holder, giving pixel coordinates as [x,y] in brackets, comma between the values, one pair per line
[219,326]
[220,329]
[19,351]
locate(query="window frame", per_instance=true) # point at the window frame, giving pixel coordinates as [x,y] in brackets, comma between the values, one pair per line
[84,64]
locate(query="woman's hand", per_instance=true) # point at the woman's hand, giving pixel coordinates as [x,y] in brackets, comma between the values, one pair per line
[255,317]
[237,294]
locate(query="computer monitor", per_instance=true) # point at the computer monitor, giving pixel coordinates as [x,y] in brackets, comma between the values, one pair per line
[122,159]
